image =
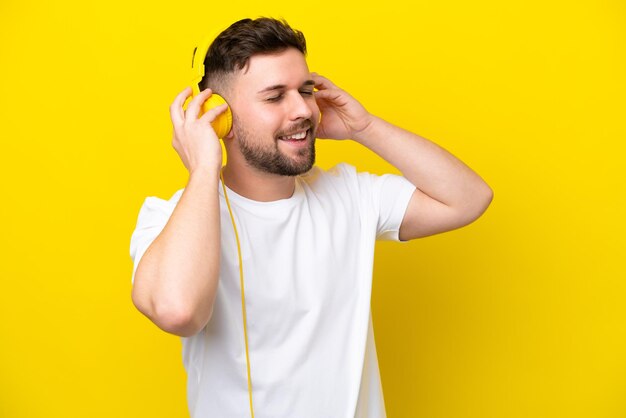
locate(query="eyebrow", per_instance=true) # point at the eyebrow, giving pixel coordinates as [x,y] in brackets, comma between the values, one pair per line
[283,86]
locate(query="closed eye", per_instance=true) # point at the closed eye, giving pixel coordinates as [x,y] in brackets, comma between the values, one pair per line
[278,97]
[274,98]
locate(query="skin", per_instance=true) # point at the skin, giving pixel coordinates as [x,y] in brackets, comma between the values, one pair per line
[176,280]
[272,112]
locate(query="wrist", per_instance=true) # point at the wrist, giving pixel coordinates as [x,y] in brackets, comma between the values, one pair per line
[365,134]
[203,173]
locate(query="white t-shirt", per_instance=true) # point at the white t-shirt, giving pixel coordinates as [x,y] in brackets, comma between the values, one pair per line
[307,264]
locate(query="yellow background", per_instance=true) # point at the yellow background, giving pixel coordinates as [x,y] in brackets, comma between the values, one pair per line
[520,314]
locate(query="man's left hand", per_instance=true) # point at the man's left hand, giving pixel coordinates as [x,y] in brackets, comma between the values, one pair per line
[343,117]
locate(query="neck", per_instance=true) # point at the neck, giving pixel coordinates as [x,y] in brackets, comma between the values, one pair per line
[256,185]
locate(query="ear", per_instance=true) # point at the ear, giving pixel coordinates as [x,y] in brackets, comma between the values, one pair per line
[230,135]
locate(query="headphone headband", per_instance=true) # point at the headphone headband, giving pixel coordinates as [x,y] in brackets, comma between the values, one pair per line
[224,122]
[197,63]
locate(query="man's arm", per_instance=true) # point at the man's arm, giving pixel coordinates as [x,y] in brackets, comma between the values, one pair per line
[176,280]
[448,193]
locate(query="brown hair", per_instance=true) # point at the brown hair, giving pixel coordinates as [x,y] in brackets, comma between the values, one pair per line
[232,48]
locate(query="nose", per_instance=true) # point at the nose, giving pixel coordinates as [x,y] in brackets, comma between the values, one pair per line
[299,107]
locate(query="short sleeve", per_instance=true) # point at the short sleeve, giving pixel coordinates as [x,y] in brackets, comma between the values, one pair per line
[391,193]
[152,218]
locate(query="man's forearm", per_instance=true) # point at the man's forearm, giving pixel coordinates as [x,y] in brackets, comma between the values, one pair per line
[430,168]
[176,280]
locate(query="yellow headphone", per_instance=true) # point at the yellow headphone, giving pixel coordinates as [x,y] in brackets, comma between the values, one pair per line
[222,125]
[224,122]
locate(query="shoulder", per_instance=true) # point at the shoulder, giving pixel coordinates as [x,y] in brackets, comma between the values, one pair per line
[172,201]
[348,176]
[341,172]
[155,208]
[153,215]
[342,181]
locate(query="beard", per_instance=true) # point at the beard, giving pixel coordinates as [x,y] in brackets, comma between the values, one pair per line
[268,157]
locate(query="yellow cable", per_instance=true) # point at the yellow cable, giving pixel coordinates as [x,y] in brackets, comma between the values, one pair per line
[243,298]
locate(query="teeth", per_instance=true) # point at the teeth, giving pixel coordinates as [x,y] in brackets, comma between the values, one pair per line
[299,135]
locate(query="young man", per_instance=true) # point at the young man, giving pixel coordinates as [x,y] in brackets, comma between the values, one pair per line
[307,236]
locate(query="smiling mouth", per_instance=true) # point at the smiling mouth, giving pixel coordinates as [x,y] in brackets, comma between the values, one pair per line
[296,136]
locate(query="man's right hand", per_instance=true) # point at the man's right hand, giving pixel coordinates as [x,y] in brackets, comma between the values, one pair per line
[194,139]
[177,277]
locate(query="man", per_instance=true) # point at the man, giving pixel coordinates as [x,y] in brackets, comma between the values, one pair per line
[298,342]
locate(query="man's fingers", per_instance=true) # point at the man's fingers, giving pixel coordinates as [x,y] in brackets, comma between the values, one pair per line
[322,82]
[176,108]
[213,113]
[327,95]
[193,110]
[333,98]
[327,92]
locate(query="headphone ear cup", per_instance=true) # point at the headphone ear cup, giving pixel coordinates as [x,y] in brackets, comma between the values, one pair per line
[224,122]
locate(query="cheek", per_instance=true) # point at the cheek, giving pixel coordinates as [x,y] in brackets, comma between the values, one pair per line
[258,120]
[267,120]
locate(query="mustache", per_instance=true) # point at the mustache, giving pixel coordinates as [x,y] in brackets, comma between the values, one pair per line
[296,127]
